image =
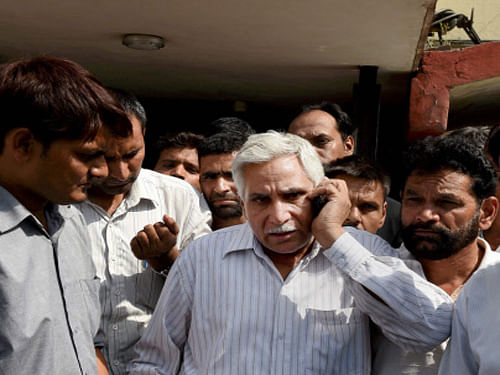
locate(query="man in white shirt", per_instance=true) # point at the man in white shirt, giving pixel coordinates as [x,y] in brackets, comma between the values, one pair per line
[290,291]
[163,212]
[447,198]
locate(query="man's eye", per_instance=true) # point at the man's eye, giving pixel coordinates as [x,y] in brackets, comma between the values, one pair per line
[293,196]
[321,141]
[368,208]
[192,170]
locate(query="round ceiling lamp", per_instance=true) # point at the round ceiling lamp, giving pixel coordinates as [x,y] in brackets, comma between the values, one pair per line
[143,41]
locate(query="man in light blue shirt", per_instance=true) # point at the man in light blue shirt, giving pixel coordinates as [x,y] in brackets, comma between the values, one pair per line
[51,148]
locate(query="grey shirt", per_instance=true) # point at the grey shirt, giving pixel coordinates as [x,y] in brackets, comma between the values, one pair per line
[49,302]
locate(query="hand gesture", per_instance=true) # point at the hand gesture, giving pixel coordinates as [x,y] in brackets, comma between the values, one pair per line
[156,243]
[327,225]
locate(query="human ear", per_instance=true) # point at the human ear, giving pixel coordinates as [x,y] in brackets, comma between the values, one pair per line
[349,146]
[22,142]
[382,219]
[488,212]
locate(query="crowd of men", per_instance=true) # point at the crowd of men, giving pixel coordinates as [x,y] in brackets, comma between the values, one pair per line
[242,252]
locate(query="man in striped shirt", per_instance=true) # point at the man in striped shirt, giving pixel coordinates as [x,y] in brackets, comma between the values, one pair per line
[290,291]
[163,212]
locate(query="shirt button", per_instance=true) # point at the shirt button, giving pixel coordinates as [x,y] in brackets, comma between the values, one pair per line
[115,327]
[117,292]
[113,259]
[116,362]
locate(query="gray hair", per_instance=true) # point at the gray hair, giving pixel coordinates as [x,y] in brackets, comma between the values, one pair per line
[264,147]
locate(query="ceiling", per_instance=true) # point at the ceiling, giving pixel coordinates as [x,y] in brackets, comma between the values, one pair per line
[262,51]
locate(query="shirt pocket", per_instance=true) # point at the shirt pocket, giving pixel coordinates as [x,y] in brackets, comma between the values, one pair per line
[339,342]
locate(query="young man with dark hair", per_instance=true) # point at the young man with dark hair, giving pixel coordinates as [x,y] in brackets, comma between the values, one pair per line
[230,125]
[216,154]
[178,157]
[368,187]
[55,129]
[447,198]
[138,221]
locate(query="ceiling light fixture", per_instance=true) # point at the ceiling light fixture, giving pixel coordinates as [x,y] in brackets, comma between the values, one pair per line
[143,41]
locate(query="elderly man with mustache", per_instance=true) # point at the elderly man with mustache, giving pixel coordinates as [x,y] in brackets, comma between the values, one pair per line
[290,291]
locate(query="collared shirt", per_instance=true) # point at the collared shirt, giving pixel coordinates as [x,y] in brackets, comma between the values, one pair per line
[130,289]
[227,310]
[49,302]
[475,336]
[390,359]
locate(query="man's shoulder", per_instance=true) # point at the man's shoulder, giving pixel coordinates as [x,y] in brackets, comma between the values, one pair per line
[486,278]
[148,176]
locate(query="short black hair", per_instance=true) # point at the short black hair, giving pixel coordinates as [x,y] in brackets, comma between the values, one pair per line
[344,122]
[434,154]
[221,143]
[477,135]
[56,99]
[359,167]
[179,140]
[493,144]
[230,125]
[131,105]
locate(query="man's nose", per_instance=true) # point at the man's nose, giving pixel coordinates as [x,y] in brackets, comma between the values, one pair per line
[179,172]
[221,185]
[279,212]
[99,168]
[427,214]
[118,170]
[354,218]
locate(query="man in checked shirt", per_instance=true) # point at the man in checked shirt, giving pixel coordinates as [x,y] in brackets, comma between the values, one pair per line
[291,291]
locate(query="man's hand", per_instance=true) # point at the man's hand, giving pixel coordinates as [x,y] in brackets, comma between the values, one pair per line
[327,226]
[156,243]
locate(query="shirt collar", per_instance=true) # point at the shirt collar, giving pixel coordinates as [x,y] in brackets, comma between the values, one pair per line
[139,191]
[12,213]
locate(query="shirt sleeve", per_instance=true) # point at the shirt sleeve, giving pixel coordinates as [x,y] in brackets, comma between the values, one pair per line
[160,349]
[412,312]
[196,220]
[458,358]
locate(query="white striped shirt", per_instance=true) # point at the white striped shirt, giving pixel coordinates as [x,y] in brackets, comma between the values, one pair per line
[225,309]
[390,359]
[130,289]
[475,335]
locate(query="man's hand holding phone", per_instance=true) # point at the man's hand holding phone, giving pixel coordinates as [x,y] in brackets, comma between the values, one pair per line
[333,196]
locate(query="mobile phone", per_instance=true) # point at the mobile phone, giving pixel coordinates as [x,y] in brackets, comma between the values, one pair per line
[317,203]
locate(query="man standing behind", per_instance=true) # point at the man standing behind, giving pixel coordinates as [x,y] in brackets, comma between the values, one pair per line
[447,198]
[178,157]
[368,187]
[166,213]
[216,178]
[287,292]
[52,143]
[327,128]
[330,130]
